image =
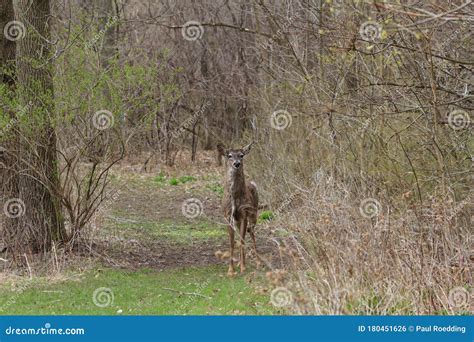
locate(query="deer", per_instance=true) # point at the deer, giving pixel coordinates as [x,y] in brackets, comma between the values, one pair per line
[240,204]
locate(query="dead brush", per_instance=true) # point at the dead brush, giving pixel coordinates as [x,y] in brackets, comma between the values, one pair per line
[400,261]
[390,264]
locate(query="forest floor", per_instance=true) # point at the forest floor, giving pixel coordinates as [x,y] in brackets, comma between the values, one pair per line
[147,255]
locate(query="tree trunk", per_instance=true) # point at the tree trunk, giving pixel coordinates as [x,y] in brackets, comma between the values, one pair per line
[8,138]
[42,221]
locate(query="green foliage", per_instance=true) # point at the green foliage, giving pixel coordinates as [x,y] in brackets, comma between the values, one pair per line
[161,178]
[173,181]
[266,215]
[134,89]
[181,180]
[186,179]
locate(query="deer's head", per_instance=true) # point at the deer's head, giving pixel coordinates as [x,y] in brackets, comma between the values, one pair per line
[235,158]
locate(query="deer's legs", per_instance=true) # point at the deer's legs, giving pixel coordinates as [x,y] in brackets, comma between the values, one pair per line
[252,235]
[243,230]
[231,240]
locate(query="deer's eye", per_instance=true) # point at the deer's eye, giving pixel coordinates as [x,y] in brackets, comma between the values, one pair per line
[241,155]
[229,156]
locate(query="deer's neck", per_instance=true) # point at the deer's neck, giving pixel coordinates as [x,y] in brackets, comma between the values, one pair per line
[236,181]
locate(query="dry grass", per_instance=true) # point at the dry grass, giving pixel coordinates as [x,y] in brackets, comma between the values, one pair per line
[397,262]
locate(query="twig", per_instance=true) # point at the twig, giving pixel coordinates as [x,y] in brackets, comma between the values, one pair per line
[28,264]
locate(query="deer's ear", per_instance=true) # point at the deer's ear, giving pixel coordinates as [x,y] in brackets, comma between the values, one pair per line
[247,148]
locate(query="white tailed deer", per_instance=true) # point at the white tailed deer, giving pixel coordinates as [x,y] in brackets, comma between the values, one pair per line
[240,203]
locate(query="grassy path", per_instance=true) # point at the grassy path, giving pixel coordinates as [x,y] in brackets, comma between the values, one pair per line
[189,291]
[153,259]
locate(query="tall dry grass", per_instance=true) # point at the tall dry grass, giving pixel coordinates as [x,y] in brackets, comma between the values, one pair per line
[359,238]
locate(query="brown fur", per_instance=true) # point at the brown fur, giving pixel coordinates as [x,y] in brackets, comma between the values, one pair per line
[240,204]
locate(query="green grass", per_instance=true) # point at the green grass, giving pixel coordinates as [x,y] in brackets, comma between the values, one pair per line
[266,215]
[160,178]
[216,187]
[171,231]
[142,292]
[181,180]
[186,179]
[173,181]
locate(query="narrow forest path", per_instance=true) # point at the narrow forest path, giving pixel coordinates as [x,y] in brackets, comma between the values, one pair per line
[165,219]
[152,250]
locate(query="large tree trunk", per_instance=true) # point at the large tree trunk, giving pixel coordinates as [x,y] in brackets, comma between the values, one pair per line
[42,221]
[8,139]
